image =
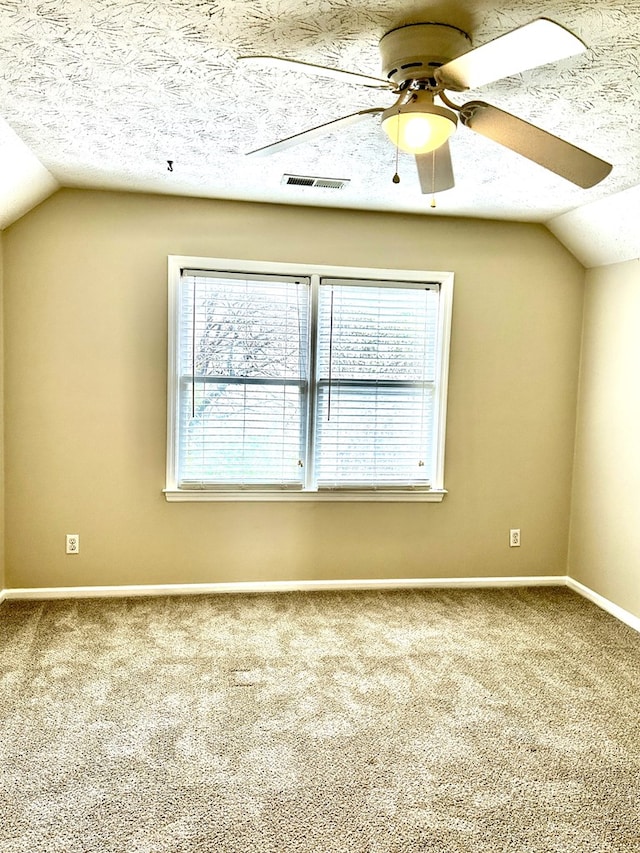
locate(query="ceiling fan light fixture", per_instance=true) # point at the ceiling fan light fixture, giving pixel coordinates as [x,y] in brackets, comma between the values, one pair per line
[419,126]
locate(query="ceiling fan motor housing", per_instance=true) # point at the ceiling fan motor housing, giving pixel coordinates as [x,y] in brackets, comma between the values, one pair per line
[414,51]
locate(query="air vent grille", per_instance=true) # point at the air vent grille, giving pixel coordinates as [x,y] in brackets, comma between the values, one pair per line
[308,181]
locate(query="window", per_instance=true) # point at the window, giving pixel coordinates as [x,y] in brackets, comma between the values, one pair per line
[306,382]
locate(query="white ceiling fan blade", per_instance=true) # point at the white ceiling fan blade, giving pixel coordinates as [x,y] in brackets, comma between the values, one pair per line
[535,144]
[316,70]
[534,44]
[314,132]
[435,170]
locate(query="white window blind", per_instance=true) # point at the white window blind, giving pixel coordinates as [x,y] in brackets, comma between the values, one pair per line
[243,370]
[375,384]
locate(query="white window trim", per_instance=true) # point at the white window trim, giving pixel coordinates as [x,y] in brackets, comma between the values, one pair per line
[176,263]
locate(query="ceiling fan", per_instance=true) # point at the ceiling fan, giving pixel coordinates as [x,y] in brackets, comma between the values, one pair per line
[421,63]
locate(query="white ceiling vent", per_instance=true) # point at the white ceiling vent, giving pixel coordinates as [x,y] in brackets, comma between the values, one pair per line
[307,181]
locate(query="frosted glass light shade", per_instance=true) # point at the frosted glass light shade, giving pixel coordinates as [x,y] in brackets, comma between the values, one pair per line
[419,127]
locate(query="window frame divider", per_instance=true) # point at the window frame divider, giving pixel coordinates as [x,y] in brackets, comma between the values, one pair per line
[309,462]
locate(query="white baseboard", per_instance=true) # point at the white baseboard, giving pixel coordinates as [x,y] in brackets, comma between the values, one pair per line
[278,586]
[604,603]
[125,591]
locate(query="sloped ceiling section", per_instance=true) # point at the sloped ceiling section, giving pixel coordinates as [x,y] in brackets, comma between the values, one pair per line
[603,232]
[24,181]
[105,92]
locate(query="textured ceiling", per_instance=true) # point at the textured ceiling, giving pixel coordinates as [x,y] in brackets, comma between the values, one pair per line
[104,92]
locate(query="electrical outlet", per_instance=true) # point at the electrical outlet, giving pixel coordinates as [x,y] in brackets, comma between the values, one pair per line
[73,543]
[514,538]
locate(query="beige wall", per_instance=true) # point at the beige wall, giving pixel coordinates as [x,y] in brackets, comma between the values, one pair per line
[85,295]
[2,572]
[605,523]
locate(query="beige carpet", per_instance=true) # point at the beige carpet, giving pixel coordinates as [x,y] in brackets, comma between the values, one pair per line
[392,722]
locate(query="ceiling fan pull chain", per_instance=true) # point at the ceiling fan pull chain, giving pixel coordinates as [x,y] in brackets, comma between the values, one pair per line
[396,177]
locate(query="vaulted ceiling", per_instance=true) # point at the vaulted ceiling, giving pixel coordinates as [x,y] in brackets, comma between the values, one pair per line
[102,93]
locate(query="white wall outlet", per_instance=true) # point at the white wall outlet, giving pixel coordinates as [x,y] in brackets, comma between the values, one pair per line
[73,543]
[514,537]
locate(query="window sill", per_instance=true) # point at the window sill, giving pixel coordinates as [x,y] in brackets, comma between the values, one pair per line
[377,496]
